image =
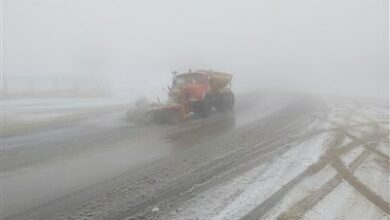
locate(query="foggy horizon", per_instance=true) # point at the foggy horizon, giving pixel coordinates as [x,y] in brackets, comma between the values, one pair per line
[332,47]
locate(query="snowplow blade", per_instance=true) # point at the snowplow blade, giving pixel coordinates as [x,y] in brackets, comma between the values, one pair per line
[172,114]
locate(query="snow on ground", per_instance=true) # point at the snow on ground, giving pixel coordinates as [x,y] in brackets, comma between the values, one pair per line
[279,173]
[345,203]
[323,195]
[239,196]
[50,108]
[346,140]
[379,112]
[211,202]
[352,155]
[384,147]
[24,116]
[301,191]
[375,173]
[55,103]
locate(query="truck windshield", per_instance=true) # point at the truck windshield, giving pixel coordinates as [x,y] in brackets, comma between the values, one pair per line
[187,79]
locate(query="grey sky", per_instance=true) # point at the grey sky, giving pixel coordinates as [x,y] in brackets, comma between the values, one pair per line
[334,45]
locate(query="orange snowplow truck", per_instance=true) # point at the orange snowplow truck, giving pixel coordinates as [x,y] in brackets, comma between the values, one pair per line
[197,92]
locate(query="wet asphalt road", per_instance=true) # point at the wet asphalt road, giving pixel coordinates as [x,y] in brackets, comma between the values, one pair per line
[107,168]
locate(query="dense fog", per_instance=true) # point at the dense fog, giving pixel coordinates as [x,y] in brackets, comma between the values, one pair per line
[131,47]
[95,122]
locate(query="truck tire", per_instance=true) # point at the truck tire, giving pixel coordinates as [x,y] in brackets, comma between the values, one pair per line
[203,108]
[219,104]
[224,102]
[229,101]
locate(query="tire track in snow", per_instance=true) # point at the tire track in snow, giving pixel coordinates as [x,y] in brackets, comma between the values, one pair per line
[371,148]
[299,209]
[262,150]
[361,187]
[329,156]
[333,153]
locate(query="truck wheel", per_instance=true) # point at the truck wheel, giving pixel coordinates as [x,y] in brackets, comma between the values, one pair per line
[205,107]
[220,104]
[225,102]
[229,101]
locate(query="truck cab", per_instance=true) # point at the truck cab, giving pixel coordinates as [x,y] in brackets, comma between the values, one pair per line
[190,87]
